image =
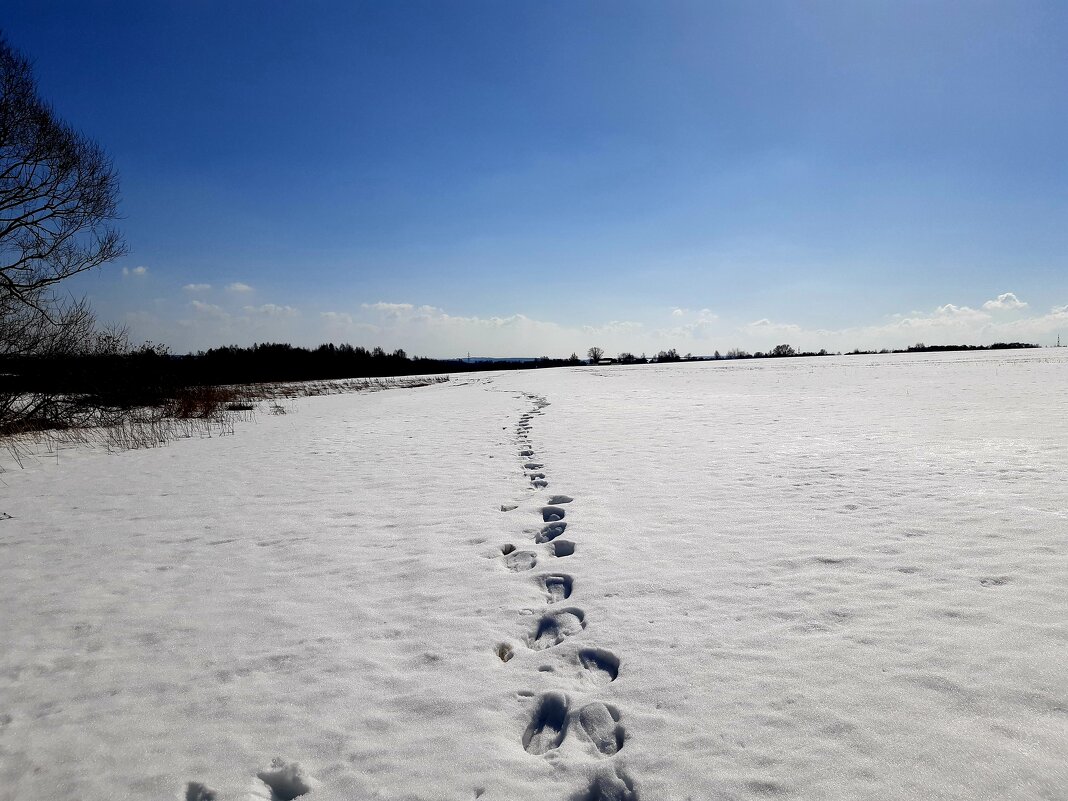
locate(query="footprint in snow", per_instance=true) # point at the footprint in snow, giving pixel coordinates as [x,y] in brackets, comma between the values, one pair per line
[600,723]
[562,547]
[601,665]
[539,483]
[526,452]
[550,514]
[548,724]
[195,791]
[555,627]
[611,785]
[560,499]
[557,586]
[550,532]
[504,651]
[286,780]
[518,561]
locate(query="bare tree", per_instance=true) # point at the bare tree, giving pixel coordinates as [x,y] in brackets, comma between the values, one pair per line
[596,354]
[58,193]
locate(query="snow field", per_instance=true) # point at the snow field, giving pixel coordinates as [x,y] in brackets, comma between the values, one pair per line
[829,578]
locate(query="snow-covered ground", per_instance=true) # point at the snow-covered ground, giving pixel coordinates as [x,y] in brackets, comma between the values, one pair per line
[834,578]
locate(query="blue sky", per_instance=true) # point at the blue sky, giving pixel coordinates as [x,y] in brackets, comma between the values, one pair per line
[532,178]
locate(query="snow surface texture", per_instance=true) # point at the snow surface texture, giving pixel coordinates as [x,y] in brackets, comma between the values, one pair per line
[835,578]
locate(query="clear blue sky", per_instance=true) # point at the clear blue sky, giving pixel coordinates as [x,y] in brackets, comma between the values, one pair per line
[530,178]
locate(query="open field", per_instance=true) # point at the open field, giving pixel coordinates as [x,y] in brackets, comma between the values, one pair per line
[834,578]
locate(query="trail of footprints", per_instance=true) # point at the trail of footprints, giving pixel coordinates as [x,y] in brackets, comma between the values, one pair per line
[555,717]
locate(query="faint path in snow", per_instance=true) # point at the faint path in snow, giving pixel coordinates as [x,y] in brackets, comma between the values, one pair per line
[597,729]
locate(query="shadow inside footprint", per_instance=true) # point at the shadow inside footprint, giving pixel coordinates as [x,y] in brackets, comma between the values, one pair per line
[562,547]
[550,532]
[612,785]
[561,498]
[557,585]
[195,791]
[601,665]
[548,724]
[555,627]
[287,780]
[550,514]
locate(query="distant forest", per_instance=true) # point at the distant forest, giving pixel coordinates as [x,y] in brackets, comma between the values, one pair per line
[141,375]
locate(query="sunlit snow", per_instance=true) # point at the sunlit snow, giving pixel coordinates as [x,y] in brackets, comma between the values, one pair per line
[823,578]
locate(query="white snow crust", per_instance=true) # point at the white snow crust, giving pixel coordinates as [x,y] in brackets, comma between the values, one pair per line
[823,578]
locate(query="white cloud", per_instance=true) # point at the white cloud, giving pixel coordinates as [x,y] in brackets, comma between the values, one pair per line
[1006,301]
[272,310]
[209,309]
[196,287]
[142,270]
[678,312]
[237,286]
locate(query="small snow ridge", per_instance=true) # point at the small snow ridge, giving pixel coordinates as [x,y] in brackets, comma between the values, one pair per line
[550,514]
[550,532]
[562,547]
[555,627]
[600,723]
[195,791]
[548,724]
[287,780]
[557,585]
[602,666]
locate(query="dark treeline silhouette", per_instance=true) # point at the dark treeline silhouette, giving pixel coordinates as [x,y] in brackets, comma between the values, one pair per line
[148,375]
[788,351]
[145,375]
[919,347]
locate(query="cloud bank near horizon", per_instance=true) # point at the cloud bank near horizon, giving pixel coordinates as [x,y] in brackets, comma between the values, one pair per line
[227,317]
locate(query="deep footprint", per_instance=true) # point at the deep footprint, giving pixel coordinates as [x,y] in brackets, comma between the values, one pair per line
[600,723]
[555,627]
[562,547]
[561,499]
[613,785]
[287,780]
[602,666]
[195,791]
[548,724]
[518,561]
[550,533]
[539,483]
[558,586]
[550,514]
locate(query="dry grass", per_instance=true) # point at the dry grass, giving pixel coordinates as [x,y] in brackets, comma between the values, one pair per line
[194,412]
